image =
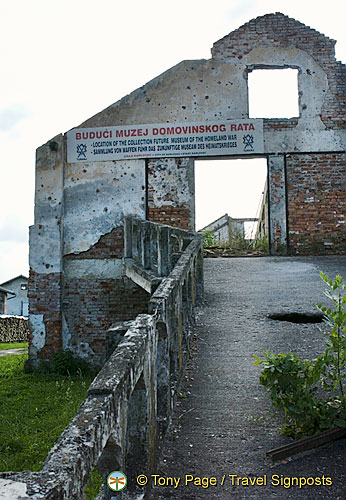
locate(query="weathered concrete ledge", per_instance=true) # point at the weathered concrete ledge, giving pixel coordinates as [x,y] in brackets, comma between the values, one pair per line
[121,423]
[142,277]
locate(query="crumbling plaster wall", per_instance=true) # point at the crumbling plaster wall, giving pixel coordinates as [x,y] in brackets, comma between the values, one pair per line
[77,287]
[45,254]
[95,293]
[171,189]
[96,196]
[216,89]
[77,236]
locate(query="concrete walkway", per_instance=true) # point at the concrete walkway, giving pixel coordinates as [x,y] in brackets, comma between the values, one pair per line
[225,425]
[9,352]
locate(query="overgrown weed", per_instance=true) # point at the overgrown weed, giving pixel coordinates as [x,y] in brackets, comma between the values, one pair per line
[310,393]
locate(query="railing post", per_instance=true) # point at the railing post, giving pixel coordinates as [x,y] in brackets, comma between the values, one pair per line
[139,241]
[135,240]
[128,237]
[199,276]
[111,459]
[163,251]
[192,288]
[146,245]
[163,378]
[153,246]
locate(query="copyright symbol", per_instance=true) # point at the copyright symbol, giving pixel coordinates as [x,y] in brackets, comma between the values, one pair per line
[142,480]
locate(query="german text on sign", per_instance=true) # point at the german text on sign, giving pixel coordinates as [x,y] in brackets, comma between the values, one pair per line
[236,137]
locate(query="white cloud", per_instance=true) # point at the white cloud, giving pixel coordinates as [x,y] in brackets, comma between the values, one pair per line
[13,229]
[12,115]
[14,260]
[241,12]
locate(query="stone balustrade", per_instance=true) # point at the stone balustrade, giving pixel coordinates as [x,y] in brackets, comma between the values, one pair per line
[121,423]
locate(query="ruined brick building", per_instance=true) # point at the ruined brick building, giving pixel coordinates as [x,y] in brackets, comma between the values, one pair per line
[77,288]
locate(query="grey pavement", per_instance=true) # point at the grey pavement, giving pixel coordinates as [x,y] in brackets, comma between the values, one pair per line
[225,424]
[9,352]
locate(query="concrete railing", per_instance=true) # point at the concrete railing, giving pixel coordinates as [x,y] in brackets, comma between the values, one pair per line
[121,423]
[152,250]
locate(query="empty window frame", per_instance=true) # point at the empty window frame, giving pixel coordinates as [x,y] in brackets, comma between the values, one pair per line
[273,93]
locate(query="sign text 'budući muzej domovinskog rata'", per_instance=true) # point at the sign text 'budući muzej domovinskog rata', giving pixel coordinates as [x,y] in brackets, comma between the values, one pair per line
[236,137]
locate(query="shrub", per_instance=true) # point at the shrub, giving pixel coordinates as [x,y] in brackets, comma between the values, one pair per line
[209,239]
[66,363]
[296,386]
[237,241]
[261,244]
[63,363]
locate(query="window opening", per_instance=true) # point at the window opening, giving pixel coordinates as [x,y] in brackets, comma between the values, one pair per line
[273,93]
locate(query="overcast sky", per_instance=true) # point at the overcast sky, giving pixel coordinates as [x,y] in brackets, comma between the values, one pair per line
[64,61]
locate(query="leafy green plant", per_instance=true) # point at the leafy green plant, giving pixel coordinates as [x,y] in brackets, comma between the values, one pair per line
[296,386]
[66,363]
[209,239]
[335,354]
[261,244]
[94,485]
[63,363]
[237,240]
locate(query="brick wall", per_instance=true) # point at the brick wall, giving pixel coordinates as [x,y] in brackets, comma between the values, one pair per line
[169,192]
[109,246]
[44,292]
[278,30]
[91,305]
[316,186]
[168,214]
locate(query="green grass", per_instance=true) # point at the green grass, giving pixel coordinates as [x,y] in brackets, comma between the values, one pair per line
[35,409]
[13,345]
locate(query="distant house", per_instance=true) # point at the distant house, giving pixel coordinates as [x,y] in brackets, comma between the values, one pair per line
[18,303]
[225,226]
[3,299]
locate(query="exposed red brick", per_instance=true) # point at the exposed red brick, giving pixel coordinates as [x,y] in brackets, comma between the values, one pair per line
[92,305]
[109,246]
[44,292]
[278,30]
[171,213]
[317,203]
